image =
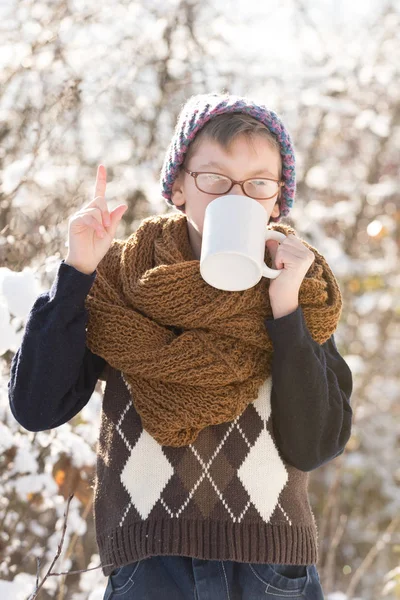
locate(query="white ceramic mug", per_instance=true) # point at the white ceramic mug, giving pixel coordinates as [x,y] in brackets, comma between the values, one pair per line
[233,243]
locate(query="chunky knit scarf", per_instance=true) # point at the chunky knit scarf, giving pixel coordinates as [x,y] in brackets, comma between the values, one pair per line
[190,355]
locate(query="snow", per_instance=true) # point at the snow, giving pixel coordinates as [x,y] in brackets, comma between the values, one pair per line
[14,172]
[25,460]
[6,438]
[19,290]
[76,447]
[31,484]
[37,529]
[18,589]
[92,583]
[377,123]
[317,177]
[374,228]
[356,363]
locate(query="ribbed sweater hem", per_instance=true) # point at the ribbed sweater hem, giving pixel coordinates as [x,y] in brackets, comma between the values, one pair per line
[209,540]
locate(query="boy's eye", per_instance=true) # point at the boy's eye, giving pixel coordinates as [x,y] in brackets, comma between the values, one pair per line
[259,182]
[211,177]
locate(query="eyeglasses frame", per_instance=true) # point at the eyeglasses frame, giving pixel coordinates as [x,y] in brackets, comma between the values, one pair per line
[194,174]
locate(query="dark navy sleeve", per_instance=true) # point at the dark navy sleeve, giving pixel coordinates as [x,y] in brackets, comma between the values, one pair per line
[53,373]
[310,398]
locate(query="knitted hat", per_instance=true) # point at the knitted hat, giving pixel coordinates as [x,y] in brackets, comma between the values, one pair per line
[198,110]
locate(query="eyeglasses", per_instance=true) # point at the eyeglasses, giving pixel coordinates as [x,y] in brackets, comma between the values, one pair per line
[259,188]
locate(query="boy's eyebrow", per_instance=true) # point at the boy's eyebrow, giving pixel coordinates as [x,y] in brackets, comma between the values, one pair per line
[252,174]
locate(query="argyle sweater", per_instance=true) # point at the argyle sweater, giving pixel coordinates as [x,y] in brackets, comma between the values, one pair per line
[239,492]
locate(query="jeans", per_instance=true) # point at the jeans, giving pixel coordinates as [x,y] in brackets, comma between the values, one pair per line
[183,578]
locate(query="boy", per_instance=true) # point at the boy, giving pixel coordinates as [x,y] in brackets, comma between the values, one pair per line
[217,404]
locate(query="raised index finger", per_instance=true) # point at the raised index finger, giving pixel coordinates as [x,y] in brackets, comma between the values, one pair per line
[101,182]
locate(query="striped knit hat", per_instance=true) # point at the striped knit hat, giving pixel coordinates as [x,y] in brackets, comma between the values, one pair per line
[203,107]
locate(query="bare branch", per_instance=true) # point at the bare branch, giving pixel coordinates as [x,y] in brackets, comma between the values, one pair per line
[381,542]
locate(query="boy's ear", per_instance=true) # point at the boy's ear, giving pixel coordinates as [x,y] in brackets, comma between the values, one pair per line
[177,195]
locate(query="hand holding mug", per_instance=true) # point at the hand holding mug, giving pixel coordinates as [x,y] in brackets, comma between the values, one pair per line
[294,259]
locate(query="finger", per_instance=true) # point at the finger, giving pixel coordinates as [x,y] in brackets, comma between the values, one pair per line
[291,251]
[101,203]
[292,240]
[101,182]
[272,246]
[100,191]
[116,216]
[92,222]
[95,212]
[280,254]
[287,256]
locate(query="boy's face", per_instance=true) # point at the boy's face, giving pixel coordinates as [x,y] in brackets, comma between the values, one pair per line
[244,159]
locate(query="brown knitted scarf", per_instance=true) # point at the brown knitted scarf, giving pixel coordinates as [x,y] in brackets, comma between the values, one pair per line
[190,355]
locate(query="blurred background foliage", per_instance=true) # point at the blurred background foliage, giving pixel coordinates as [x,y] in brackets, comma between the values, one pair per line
[89,82]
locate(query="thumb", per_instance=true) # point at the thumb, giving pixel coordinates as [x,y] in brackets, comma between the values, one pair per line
[115,217]
[272,246]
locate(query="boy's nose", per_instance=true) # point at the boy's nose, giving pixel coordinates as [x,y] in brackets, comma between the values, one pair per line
[237,190]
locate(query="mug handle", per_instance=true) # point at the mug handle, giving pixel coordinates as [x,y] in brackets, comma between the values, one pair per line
[279,237]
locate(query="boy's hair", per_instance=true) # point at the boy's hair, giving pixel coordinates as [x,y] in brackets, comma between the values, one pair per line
[225,128]
[201,111]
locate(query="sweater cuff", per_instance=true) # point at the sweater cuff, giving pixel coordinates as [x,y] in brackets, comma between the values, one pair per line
[71,283]
[290,329]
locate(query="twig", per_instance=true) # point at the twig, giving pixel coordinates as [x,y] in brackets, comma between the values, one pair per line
[14,476]
[38,587]
[37,571]
[71,548]
[369,559]
[330,558]
[333,497]
[80,571]
[49,573]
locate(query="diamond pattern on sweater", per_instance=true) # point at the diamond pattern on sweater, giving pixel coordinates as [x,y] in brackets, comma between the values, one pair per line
[227,470]
[264,479]
[146,473]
